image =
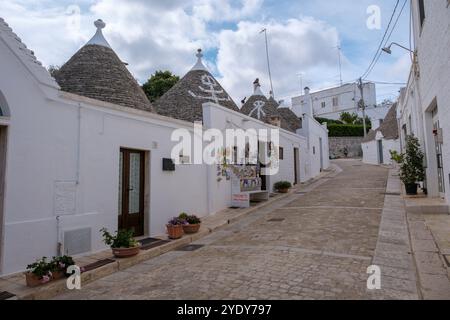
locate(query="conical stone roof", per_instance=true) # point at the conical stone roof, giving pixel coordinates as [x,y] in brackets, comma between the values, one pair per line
[261,108]
[96,72]
[184,100]
[288,115]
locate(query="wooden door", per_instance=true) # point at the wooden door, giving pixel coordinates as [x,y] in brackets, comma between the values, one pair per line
[131,191]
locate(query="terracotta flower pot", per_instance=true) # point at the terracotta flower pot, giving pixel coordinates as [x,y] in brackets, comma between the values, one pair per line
[191,228]
[57,275]
[33,280]
[126,252]
[283,190]
[175,232]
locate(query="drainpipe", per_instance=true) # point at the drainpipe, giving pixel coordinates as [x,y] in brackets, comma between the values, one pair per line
[77,175]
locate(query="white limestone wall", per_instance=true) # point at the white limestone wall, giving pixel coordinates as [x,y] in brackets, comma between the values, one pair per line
[371,155]
[433,47]
[221,118]
[348,95]
[43,150]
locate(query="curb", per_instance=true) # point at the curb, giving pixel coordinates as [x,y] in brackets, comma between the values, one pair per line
[56,288]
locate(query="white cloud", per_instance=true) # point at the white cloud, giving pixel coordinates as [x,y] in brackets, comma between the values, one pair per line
[155,34]
[225,10]
[298,45]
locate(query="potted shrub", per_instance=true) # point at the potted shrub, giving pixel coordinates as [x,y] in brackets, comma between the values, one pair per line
[175,228]
[123,244]
[193,224]
[61,265]
[40,272]
[411,165]
[283,186]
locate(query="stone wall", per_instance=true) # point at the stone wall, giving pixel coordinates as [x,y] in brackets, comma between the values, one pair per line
[353,145]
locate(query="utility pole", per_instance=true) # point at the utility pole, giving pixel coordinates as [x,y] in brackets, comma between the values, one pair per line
[362,105]
[268,60]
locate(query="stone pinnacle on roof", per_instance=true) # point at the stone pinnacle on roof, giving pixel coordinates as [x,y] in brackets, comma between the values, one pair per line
[257,88]
[199,65]
[98,38]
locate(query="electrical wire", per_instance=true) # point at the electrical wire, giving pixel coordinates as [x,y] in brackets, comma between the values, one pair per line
[376,57]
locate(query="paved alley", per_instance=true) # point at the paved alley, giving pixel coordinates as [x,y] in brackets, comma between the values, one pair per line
[315,244]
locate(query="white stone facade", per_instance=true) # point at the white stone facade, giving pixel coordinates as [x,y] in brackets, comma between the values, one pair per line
[424,103]
[59,165]
[331,103]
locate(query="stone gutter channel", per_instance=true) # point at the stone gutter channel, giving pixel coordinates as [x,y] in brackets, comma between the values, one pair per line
[14,285]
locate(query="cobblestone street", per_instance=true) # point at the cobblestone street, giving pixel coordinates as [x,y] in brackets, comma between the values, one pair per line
[315,244]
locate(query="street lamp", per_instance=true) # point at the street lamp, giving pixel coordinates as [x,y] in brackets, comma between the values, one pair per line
[388,50]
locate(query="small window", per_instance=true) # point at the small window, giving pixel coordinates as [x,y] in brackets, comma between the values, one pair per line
[335,101]
[281,151]
[323,104]
[314,150]
[421,12]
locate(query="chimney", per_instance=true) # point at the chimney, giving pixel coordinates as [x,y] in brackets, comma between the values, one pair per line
[274,120]
[307,90]
[307,105]
[256,85]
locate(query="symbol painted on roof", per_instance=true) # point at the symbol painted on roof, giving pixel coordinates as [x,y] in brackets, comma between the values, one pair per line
[210,87]
[259,105]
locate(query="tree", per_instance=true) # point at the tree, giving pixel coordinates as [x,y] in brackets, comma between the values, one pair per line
[359,121]
[349,118]
[353,118]
[159,83]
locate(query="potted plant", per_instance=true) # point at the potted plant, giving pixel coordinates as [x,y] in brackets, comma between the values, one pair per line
[282,186]
[193,224]
[40,272]
[61,265]
[411,165]
[123,244]
[175,228]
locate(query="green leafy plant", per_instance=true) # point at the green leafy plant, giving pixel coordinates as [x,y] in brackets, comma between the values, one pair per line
[183,216]
[346,130]
[411,162]
[62,263]
[282,185]
[43,269]
[193,219]
[158,84]
[396,157]
[121,239]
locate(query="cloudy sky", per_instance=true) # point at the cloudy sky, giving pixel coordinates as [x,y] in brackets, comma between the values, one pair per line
[164,35]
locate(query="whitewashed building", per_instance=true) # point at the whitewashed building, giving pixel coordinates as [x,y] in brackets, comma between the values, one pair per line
[331,103]
[89,151]
[424,102]
[316,133]
[379,143]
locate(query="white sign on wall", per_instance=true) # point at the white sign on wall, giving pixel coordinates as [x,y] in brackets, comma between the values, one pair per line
[65,198]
